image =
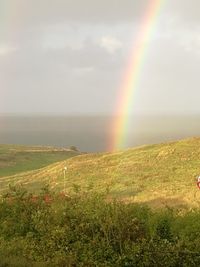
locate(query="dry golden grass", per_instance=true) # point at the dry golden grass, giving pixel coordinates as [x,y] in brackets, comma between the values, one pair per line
[163,174]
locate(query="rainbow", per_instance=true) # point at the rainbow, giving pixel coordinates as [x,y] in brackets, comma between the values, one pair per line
[120,123]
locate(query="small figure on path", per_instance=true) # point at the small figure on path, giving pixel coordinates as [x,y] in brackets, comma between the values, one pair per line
[198,181]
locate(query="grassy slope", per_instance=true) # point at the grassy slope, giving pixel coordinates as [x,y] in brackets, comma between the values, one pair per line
[15,159]
[157,174]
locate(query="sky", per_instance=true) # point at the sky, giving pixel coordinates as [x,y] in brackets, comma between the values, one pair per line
[70,56]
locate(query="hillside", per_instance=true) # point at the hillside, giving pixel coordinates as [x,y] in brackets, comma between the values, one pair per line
[163,174]
[15,159]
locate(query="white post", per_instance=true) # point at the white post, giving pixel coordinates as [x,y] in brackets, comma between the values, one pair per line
[64,171]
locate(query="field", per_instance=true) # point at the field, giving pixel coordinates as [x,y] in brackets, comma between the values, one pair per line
[15,159]
[137,207]
[159,175]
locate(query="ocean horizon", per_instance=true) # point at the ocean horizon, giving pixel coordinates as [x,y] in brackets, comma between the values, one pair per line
[92,133]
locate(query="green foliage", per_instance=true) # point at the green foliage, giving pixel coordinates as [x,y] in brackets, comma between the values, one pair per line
[54,229]
[163,229]
[163,223]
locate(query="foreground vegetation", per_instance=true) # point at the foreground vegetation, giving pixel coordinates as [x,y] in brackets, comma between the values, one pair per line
[52,229]
[159,175]
[16,159]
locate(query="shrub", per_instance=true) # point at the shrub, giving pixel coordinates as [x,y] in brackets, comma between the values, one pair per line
[51,229]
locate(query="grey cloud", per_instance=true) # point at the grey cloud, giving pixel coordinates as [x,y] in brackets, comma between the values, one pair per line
[32,59]
[93,11]
[60,66]
[186,10]
[169,82]
[85,10]
[60,79]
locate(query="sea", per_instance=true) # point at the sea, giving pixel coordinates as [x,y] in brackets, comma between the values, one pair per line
[93,133]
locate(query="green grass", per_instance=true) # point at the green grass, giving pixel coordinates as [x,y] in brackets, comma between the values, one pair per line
[162,174]
[16,159]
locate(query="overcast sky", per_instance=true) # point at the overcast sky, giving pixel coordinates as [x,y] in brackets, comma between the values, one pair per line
[70,56]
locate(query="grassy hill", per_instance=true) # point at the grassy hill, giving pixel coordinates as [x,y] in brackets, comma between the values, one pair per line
[15,159]
[163,174]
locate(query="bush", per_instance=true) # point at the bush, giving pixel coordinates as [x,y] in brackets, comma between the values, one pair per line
[51,229]
[74,148]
